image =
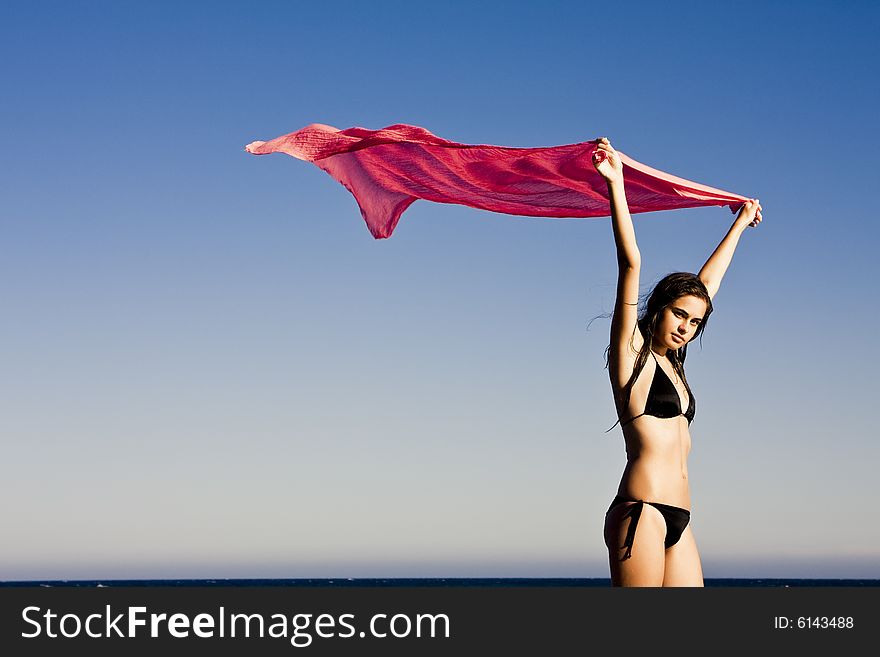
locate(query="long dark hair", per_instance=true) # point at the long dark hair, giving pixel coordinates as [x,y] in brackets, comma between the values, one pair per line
[667,290]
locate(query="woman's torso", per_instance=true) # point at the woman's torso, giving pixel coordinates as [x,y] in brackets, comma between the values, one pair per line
[656,447]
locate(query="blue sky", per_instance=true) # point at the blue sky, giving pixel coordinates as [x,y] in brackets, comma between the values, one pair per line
[211,369]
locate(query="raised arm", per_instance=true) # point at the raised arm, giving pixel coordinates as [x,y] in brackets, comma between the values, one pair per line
[625,339]
[716,266]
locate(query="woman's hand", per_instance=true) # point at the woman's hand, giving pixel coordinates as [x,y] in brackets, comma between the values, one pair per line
[607,161]
[749,214]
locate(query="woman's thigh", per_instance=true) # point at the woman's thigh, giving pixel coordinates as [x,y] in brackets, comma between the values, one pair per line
[646,565]
[683,566]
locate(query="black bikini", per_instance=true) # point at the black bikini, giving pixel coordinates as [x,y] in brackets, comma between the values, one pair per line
[663,402]
[676,518]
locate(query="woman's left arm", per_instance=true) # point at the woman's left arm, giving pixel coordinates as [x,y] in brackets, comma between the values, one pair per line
[716,266]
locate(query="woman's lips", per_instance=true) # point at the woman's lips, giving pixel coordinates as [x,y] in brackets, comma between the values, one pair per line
[677,338]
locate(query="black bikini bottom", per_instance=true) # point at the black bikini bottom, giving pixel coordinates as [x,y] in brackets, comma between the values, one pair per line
[676,518]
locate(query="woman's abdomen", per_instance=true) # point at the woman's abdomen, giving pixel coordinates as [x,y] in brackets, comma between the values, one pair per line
[656,468]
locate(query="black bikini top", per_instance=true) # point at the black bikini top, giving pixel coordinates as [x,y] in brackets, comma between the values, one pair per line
[663,400]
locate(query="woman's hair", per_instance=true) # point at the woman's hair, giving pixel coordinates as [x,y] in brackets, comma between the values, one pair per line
[667,290]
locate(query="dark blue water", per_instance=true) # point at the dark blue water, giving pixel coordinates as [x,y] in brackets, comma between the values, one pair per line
[438,581]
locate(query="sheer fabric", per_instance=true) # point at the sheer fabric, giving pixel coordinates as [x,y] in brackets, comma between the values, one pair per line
[386,170]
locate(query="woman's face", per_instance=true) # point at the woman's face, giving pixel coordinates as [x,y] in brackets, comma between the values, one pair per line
[679,322]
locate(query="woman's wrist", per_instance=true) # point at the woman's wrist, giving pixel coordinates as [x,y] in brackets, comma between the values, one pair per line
[739,227]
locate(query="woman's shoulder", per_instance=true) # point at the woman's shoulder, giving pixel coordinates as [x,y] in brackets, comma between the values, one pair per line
[621,369]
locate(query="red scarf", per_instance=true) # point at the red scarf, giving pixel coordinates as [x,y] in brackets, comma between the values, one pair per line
[386,170]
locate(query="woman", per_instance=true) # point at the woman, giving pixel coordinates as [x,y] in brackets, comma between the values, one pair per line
[647,528]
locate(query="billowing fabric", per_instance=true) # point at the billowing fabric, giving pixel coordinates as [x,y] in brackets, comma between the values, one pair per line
[386,170]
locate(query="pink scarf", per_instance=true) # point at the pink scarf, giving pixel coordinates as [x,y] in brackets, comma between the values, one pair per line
[386,170]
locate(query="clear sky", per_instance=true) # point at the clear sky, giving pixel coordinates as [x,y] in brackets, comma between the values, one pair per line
[211,369]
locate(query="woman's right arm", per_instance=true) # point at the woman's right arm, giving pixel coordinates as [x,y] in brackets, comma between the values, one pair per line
[626,340]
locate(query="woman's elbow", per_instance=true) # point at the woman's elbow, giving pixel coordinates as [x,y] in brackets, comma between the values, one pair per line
[629,260]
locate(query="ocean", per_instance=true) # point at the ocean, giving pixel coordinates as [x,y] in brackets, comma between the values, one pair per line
[433,582]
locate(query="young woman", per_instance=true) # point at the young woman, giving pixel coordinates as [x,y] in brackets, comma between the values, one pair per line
[647,528]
